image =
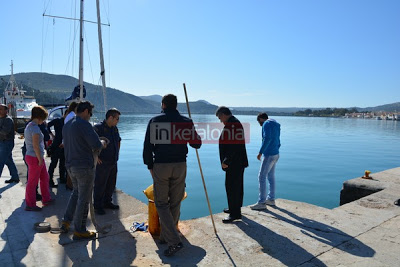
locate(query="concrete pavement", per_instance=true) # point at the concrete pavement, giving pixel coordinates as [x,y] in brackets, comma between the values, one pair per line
[364,232]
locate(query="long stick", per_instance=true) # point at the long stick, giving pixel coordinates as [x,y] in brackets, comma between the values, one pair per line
[201,170]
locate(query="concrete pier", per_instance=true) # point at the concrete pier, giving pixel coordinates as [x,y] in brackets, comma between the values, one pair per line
[364,232]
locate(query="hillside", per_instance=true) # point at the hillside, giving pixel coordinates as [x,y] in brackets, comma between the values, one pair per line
[395,107]
[51,89]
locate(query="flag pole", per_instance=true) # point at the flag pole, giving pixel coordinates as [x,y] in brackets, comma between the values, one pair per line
[201,170]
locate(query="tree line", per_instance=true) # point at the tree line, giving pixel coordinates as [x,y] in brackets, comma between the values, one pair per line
[328,112]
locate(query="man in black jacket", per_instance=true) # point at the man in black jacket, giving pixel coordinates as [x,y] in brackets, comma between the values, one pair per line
[233,157]
[164,153]
[106,170]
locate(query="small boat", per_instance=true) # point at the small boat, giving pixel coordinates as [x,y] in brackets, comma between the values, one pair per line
[20,105]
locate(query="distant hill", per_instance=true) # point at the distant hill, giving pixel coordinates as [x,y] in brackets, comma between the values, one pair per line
[205,102]
[155,98]
[271,109]
[53,89]
[198,107]
[395,107]
[59,87]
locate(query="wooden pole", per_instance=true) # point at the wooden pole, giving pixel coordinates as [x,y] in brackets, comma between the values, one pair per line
[201,170]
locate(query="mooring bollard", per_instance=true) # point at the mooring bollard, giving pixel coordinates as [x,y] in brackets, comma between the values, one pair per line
[154,220]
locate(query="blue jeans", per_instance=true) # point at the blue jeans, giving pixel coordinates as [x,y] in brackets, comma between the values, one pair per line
[267,171]
[6,148]
[78,204]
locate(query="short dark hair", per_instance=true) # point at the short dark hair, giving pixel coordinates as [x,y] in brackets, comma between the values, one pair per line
[112,112]
[4,106]
[72,106]
[223,110]
[170,101]
[84,105]
[39,112]
[262,115]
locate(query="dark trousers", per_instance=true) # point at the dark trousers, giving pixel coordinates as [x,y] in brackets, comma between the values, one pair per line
[58,155]
[104,184]
[234,190]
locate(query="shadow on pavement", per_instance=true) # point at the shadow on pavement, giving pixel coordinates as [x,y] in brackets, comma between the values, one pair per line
[190,255]
[18,234]
[7,187]
[116,248]
[226,251]
[323,233]
[275,245]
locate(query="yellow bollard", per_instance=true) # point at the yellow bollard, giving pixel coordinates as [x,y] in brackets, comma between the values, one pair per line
[154,221]
[366,175]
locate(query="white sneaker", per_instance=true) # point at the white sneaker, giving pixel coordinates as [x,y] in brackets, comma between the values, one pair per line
[270,202]
[258,206]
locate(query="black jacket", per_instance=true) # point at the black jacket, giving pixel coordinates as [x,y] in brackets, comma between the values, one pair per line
[232,152]
[110,154]
[58,125]
[154,152]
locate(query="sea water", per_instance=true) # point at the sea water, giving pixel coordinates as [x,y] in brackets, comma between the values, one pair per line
[317,155]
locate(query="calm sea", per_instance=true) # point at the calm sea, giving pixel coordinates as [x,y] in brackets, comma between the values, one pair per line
[317,155]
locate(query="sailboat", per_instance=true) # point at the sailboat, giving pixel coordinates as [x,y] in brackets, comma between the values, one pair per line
[74,96]
[20,105]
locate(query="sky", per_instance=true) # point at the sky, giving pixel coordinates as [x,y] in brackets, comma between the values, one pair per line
[263,53]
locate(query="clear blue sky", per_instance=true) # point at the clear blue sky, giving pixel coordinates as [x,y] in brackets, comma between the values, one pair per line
[270,53]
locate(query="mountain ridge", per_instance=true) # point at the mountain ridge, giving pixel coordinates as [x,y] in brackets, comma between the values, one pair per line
[56,87]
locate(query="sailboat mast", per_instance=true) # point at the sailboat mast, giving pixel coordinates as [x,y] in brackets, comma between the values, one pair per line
[81,54]
[13,83]
[102,73]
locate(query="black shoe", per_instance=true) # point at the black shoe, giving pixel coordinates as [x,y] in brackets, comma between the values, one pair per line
[12,181]
[99,211]
[230,219]
[171,250]
[162,242]
[38,197]
[226,210]
[111,206]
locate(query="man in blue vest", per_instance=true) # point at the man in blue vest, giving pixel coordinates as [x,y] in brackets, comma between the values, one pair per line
[106,170]
[269,155]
